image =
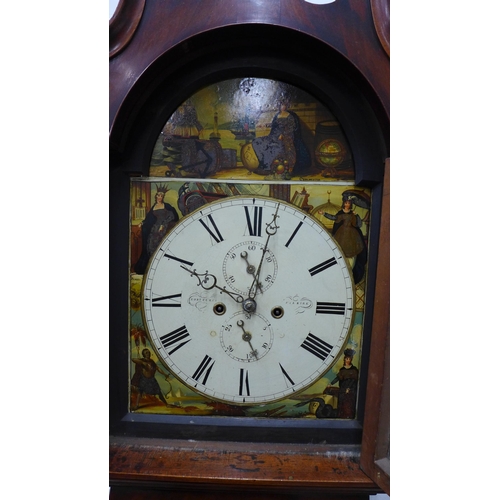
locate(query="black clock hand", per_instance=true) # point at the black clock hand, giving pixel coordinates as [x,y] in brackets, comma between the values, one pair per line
[247,337]
[208,281]
[271,229]
[250,268]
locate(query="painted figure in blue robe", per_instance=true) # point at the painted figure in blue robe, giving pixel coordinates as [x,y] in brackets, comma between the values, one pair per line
[281,152]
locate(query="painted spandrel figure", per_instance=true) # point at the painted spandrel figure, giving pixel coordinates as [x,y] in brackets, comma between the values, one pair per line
[347,379]
[154,227]
[347,232]
[144,378]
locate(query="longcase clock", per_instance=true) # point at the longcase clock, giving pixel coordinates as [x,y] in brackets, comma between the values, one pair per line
[248,249]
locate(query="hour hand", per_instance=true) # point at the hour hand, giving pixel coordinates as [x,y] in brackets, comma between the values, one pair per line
[208,281]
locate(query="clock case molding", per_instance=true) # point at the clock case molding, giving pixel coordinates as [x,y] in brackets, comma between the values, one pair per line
[156,67]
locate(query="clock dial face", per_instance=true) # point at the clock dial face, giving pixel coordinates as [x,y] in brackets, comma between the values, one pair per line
[248,300]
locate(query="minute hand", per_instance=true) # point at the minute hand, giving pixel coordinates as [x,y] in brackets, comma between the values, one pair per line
[271,229]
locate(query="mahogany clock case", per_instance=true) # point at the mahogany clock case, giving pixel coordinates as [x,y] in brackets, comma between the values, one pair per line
[238,51]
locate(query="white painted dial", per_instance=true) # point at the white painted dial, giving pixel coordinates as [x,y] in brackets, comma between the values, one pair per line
[248,300]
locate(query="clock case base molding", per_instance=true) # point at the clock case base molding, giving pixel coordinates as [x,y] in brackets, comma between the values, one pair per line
[294,471]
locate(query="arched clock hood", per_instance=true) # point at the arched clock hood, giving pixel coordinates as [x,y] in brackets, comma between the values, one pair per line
[143,99]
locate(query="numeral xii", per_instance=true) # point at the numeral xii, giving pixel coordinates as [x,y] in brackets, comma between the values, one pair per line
[254,223]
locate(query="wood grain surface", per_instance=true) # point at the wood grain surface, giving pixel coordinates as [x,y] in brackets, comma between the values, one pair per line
[260,466]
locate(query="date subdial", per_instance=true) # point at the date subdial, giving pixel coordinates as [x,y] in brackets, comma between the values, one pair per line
[246,338]
[240,266]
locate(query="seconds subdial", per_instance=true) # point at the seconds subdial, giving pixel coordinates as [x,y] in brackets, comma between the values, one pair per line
[240,267]
[246,338]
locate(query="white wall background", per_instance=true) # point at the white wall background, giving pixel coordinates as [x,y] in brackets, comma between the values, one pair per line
[112,6]
[54,117]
